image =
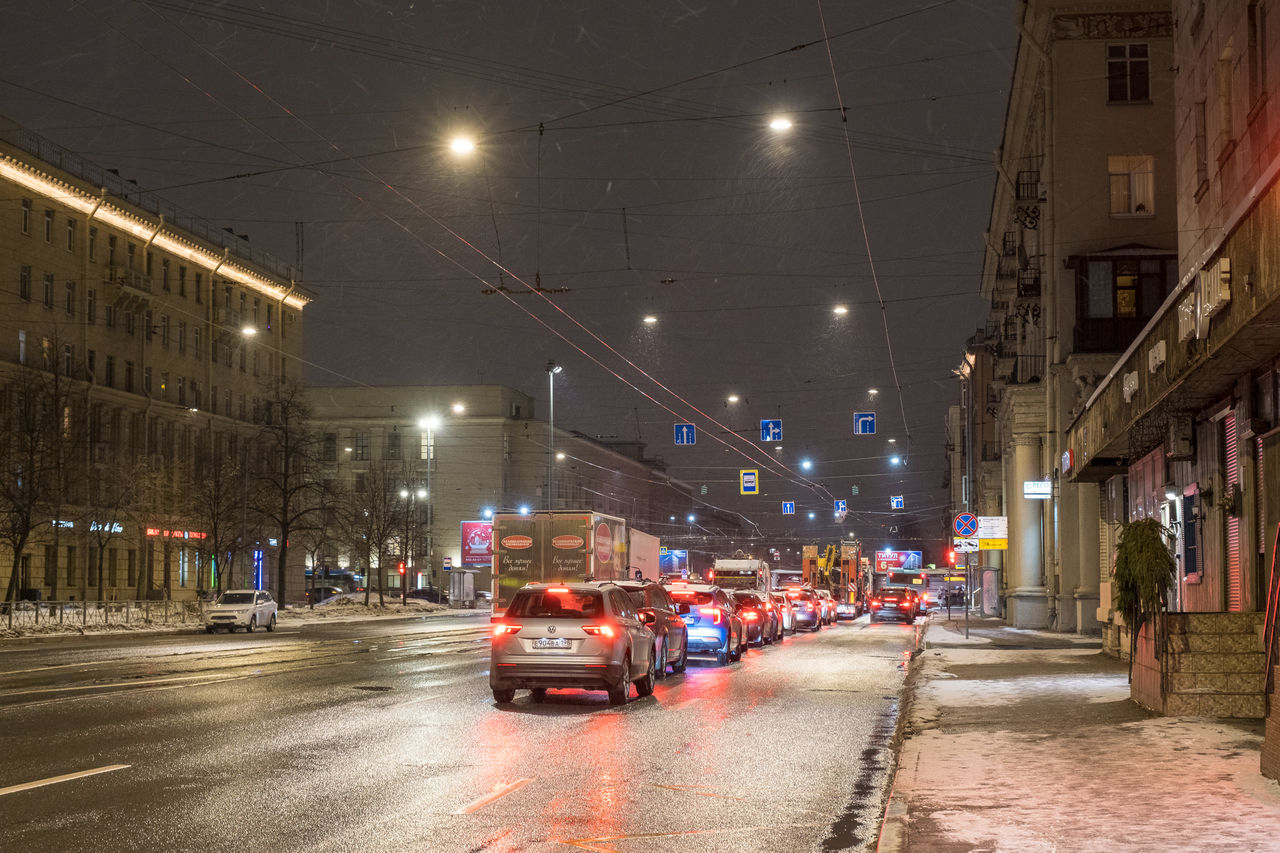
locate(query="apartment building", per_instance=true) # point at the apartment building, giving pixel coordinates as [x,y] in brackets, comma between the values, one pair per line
[156,338]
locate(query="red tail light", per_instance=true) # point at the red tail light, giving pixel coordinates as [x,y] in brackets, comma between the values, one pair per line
[808,605]
[713,612]
[875,602]
[750,616]
[505,628]
[598,630]
[558,589]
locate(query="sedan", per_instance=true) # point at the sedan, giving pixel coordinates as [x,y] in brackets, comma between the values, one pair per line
[571,635]
[713,621]
[759,617]
[241,608]
[664,618]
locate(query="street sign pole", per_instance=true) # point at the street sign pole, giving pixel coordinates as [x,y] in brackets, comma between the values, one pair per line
[968,590]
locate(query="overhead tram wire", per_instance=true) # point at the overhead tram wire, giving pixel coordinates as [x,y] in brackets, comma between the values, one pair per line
[768,463]
[866,238]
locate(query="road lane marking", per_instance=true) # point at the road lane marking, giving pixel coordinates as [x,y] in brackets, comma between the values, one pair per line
[498,793]
[54,780]
[608,840]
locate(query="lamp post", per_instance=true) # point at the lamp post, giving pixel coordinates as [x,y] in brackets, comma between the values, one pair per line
[428,425]
[552,370]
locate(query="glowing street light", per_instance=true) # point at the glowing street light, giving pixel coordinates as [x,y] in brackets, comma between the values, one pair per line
[733,398]
[780,124]
[840,310]
[806,464]
[459,408]
[462,145]
[650,320]
[873,391]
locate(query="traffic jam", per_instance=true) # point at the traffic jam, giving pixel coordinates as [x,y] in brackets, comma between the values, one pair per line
[565,618]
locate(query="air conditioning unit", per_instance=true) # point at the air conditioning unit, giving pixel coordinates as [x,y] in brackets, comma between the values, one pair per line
[1215,287]
[1177,444]
[1129,386]
[1155,357]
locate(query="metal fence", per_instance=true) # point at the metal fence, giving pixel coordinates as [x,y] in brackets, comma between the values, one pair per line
[33,614]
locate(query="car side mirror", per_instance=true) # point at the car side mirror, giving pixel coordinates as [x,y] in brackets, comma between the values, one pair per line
[647,616]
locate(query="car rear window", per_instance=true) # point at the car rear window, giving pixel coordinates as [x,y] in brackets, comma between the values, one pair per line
[548,604]
[692,596]
[747,598]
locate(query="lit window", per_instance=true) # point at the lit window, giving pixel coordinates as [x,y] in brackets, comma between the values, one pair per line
[1132,185]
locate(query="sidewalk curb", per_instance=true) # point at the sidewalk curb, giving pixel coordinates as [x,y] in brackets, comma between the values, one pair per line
[893,823]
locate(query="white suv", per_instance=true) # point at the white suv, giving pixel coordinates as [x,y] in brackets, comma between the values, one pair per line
[241,608]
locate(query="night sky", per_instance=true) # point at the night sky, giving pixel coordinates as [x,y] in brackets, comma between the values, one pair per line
[625,164]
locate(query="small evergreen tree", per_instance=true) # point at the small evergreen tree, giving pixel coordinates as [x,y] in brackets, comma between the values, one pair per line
[1143,577]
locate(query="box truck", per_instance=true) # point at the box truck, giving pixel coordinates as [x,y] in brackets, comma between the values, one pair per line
[561,545]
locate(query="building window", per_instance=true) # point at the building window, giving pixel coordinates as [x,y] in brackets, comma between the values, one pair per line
[71,235]
[197,343]
[48,290]
[151,264]
[26,216]
[270,315]
[1132,185]
[393,445]
[1115,297]
[182,391]
[199,288]
[48,226]
[182,336]
[128,376]
[360,450]
[91,306]
[68,359]
[131,256]
[1028,186]
[93,243]
[164,330]
[226,403]
[91,361]
[109,316]
[330,447]
[1257,42]
[146,381]
[255,362]
[128,323]
[71,299]
[109,376]
[111,249]
[1202,148]
[242,359]
[24,283]
[1128,73]
[182,281]
[164,385]
[22,347]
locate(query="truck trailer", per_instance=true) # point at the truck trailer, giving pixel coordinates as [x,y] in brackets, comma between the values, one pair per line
[561,545]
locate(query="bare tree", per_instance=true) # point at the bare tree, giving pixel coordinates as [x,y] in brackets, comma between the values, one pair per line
[286,485]
[41,427]
[217,509]
[371,518]
[109,511]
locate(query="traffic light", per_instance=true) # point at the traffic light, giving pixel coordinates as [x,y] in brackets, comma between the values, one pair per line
[401,567]
[951,557]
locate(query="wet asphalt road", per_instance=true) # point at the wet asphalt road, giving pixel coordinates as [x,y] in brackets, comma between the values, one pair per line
[384,737]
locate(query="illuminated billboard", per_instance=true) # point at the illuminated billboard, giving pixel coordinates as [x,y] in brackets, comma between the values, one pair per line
[893,561]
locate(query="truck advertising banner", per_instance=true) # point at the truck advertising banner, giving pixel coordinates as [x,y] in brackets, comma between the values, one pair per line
[477,543]
[556,546]
[893,561]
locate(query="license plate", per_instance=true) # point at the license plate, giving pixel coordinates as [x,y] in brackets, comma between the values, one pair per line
[551,643]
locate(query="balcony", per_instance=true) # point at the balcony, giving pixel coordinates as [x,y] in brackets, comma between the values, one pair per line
[128,278]
[1029,285]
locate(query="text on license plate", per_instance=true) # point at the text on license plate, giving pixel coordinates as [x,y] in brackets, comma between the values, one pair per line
[551,643]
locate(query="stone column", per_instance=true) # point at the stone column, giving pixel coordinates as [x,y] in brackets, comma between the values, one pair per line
[1088,517]
[1027,605]
[1066,555]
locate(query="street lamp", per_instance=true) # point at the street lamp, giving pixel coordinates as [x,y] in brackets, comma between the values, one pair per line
[411,498]
[428,425]
[552,370]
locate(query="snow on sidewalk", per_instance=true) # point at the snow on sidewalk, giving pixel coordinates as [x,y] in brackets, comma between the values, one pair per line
[1035,749]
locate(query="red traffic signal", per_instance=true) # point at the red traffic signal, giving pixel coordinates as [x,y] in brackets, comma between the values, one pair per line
[951,557]
[401,567]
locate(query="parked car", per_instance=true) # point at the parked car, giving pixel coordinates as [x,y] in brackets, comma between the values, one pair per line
[808,608]
[571,635]
[897,603]
[241,608]
[713,622]
[317,594]
[664,618]
[433,595]
[759,618]
[786,613]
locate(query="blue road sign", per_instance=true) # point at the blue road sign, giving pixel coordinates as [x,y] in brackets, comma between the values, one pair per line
[788,507]
[749,481]
[864,423]
[966,525]
[686,434]
[895,502]
[842,507]
[771,430]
